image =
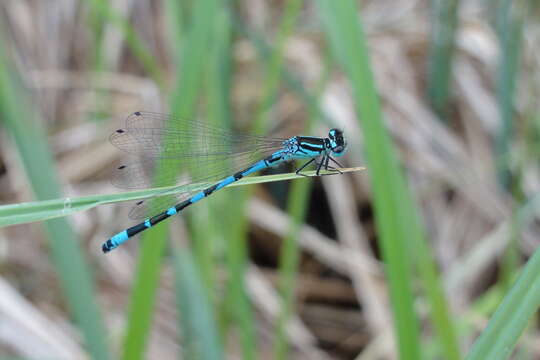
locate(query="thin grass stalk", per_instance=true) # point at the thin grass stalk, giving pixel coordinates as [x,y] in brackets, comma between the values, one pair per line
[275,64]
[290,79]
[73,271]
[518,307]
[210,220]
[237,307]
[237,301]
[509,26]
[212,238]
[206,220]
[441,50]
[298,202]
[197,319]
[297,206]
[396,216]
[192,49]
[344,32]
[22,213]
[103,13]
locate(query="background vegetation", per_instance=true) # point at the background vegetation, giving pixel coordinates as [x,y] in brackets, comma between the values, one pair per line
[430,253]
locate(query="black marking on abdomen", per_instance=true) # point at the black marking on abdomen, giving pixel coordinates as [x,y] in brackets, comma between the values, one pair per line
[136,229]
[209,190]
[107,246]
[159,217]
[238,175]
[182,205]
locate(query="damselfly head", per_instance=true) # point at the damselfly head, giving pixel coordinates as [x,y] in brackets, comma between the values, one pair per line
[338,144]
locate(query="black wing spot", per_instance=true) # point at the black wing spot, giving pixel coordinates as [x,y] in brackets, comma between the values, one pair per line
[120,131]
[137,113]
[121,167]
[139,202]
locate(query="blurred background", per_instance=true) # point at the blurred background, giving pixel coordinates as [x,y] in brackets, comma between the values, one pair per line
[407,259]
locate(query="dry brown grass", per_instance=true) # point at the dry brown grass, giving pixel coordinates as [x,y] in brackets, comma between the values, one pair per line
[342,298]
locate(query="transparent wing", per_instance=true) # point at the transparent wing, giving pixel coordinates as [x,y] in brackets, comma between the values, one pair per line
[142,173]
[190,152]
[150,134]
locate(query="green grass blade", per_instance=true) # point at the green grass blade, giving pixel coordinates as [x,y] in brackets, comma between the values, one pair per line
[190,58]
[395,213]
[14,214]
[197,320]
[209,240]
[344,33]
[289,258]
[275,63]
[105,12]
[441,49]
[509,30]
[238,302]
[512,317]
[206,222]
[37,159]
[291,80]
[143,293]
[237,306]
[518,306]
[298,203]
[439,309]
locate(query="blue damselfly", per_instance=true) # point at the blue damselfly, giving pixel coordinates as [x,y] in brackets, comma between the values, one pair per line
[170,151]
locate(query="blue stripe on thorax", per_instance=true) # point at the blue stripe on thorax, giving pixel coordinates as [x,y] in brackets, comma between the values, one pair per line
[309,147]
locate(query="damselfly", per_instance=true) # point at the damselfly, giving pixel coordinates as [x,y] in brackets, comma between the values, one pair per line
[178,152]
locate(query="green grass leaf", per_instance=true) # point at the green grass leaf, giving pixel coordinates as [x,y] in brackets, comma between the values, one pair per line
[497,341]
[341,24]
[441,50]
[37,159]
[518,306]
[14,214]
[105,13]
[238,302]
[200,337]
[189,46]
[397,223]
[509,29]
[288,263]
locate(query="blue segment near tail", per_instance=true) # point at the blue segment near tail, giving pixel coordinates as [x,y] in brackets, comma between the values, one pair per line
[115,241]
[142,126]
